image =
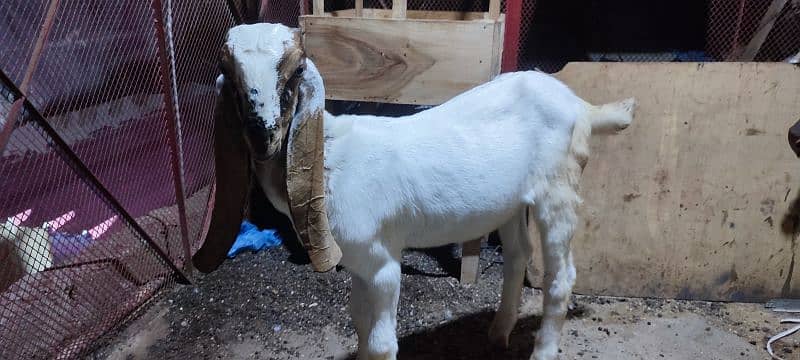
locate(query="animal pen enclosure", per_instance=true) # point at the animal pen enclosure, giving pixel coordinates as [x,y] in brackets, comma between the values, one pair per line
[105,140]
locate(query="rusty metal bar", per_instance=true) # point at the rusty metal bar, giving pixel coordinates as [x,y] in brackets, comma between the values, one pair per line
[49,19]
[118,265]
[166,57]
[11,122]
[73,161]
[512,34]
[36,55]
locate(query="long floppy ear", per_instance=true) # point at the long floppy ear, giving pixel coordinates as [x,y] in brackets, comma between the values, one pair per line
[305,178]
[232,171]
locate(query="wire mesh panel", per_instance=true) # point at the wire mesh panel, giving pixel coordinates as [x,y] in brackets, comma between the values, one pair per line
[20,31]
[89,207]
[734,26]
[62,287]
[97,83]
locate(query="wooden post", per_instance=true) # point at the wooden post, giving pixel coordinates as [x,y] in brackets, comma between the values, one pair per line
[399,9]
[494,9]
[470,259]
[359,8]
[319,7]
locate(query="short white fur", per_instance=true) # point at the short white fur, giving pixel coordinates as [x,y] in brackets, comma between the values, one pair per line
[258,49]
[450,174]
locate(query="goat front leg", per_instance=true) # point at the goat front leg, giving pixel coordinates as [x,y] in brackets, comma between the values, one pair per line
[557,223]
[380,272]
[361,312]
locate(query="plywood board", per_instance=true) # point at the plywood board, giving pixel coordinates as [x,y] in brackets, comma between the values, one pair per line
[699,198]
[401,61]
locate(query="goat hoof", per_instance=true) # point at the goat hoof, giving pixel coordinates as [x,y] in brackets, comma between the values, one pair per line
[498,341]
[542,352]
[383,356]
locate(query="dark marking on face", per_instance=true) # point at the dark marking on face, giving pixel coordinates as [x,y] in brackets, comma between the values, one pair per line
[253,91]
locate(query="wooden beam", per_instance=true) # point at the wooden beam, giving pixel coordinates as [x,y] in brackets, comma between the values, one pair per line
[359,8]
[319,7]
[494,9]
[470,260]
[399,8]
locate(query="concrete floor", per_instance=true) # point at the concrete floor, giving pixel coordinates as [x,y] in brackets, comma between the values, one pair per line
[259,306]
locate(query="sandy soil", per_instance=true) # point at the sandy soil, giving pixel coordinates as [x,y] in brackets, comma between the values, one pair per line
[263,306]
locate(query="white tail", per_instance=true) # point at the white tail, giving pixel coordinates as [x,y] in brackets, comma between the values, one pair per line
[612,116]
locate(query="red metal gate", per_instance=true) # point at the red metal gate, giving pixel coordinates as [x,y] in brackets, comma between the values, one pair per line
[107,162]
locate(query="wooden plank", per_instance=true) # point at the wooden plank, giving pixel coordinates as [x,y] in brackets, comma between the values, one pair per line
[359,8]
[494,9]
[319,7]
[497,46]
[415,14]
[470,260]
[399,9]
[699,198]
[409,61]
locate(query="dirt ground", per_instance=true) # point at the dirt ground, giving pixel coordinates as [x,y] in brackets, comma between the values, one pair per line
[263,306]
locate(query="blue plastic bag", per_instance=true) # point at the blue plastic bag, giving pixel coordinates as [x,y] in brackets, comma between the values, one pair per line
[66,245]
[250,238]
[693,56]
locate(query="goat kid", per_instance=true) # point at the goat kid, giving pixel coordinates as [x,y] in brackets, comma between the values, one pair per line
[448,174]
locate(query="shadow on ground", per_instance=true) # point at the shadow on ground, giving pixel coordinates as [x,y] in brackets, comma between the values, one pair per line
[467,338]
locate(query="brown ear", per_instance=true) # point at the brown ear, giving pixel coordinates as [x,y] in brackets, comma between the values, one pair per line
[305,180]
[232,172]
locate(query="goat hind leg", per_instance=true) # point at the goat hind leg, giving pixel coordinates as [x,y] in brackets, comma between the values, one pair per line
[516,252]
[556,224]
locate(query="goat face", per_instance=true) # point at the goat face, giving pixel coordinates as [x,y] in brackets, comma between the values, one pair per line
[264,65]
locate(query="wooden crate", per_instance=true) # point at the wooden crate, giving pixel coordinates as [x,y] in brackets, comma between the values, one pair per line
[403,56]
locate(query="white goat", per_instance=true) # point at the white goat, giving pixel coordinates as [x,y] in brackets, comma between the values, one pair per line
[31,244]
[448,174]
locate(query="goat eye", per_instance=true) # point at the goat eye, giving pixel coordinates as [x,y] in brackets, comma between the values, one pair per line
[299,70]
